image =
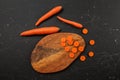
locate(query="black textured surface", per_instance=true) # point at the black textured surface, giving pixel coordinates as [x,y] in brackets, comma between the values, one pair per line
[101,17]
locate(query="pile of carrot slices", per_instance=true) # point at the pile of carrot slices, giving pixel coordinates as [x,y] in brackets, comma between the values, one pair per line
[54,29]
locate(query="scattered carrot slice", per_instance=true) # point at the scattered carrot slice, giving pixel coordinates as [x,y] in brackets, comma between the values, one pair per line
[63,39]
[92,42]
[71,55]
[82,58]
[85,31]
[91,54]
[76,43]
[81,48]
[74,50]
[67,48]
[63,44]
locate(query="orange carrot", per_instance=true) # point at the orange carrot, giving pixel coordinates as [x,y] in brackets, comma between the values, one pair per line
[40,31]
[70,40]
[52,12]
[92,42]
[67,48]
[71,55]
[73,23]
[63,39]
[76,43]
[74,50]
[81,48]
[63,44]
[82,58]
[85,31]
[91,54]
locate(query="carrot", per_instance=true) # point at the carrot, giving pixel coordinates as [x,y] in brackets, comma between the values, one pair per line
[85,31]
[74,50]
[71,55]
[73,23]
[81,48]
[70,40]
[67,48]
[76,44]
[63,44]
[82,58]
[50,13]
[91,54]
[63,39]
[92,42]
[40,31]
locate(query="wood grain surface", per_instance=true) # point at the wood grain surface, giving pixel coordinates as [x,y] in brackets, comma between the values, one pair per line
[49,56]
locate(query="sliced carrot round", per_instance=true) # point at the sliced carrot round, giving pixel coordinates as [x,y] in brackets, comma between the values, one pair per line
[63,44]
[85,31]
[69,38]
[91,54]
[67,48]
[63,39]
[70,42]
[76,43]
[74,50]
[82,58]
[92,42]
[81,48]
[71,55]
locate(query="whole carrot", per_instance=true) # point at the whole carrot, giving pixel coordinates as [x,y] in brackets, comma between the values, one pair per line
[40,31]
[50,13]
[73,23]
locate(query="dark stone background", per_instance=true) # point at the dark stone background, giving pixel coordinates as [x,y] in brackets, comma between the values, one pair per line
[101,17]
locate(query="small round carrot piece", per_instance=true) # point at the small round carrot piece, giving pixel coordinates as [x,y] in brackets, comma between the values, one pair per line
[74,50]
[63,44]
[70,42]
[63,39]
[69,38]
[71,55]
[67,48]
[81,48]
[91,54]
[85,31]
[76,43]
[92,42]
[82,58]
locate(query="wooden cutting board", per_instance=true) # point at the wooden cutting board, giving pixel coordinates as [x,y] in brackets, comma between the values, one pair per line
[49,56]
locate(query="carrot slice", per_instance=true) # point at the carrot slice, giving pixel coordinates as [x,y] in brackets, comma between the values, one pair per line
[76,43]
[40,31]
[82,58]
[74,50]
[70,42]
[50,13]
[91,54]
[81,48]
[63,44]
[67,48]
[92,42]
[63,39]
[71,55]
[85,31]
[69,38]
[73,23]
